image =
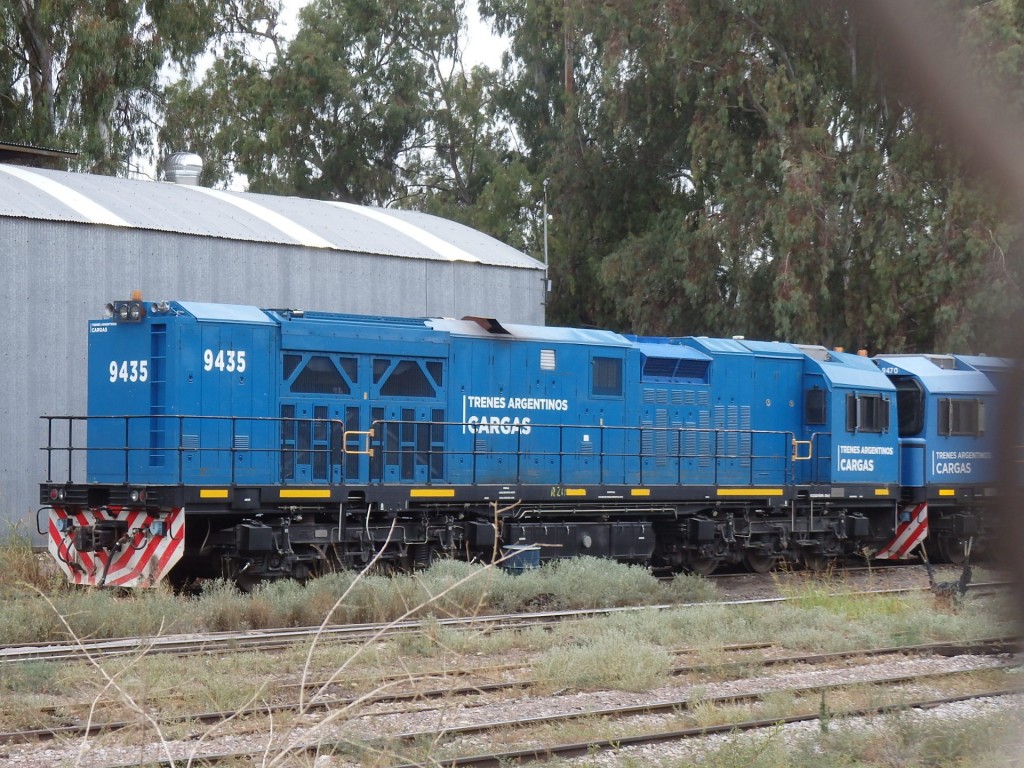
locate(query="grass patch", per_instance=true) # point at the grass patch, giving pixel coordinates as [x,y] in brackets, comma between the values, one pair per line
[21,569]
[447,588]
[623,651]
[985,741]
[613,659]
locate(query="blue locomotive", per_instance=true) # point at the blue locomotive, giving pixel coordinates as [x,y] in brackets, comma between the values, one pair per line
[254,444]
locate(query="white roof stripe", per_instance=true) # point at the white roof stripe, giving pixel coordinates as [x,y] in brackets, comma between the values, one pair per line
[441,247]
[281,223]
[76,201]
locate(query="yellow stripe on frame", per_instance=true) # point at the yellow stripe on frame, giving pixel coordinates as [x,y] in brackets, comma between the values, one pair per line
[881,491]
[213,493]
[575,491]
[749,491]
[640,492]
[305,493]
[432,493]
[947,492]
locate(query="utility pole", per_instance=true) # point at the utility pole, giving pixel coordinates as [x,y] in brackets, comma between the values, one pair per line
[547,281]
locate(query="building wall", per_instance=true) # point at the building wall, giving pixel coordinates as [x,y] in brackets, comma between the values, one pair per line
[59,275]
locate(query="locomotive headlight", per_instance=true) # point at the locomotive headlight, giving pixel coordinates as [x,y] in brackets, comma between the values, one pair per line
[136,496]
[127,311]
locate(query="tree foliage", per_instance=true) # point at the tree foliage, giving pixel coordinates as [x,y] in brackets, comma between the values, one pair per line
[85,76]
[338,111]
[753,166]
[719,167]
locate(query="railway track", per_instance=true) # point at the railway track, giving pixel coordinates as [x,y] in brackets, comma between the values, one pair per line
[449,742]
[584,748]
[322,701]
[441,691]
[278,639]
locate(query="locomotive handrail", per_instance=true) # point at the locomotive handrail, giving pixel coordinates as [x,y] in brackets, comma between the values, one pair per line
[797,444]
[718,437]
[368,451]
[614,453]
[821,458]
[71,450]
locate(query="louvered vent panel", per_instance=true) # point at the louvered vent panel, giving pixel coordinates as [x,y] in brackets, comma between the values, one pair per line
[647,438]
[674,437]
[661,440]
[690,440]
[705,439]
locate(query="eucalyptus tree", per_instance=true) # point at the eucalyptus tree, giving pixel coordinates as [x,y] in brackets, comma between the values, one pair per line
[337,112]
[87,76]
[755,166]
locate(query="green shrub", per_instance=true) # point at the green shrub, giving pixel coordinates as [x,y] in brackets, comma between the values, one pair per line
[28,621]
[613,659]
[30,677]
[584,582]
[21,569]
[221,606]
[893,740]
[690,588]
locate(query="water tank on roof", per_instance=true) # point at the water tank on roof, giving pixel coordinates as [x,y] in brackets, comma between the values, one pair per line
[184,168]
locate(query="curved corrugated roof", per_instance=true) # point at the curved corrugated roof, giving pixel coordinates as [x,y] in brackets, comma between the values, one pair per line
[164,207]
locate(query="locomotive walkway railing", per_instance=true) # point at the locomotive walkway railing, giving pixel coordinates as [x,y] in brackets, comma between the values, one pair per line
[609,455]
[135,449]
[170,448]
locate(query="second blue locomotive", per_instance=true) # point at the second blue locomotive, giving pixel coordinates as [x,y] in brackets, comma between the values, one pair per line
[234,441]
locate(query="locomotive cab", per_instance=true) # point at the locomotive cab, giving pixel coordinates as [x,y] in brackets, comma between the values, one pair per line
[946,450]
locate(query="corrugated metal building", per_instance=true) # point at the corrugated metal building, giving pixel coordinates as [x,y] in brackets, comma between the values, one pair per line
[73,242]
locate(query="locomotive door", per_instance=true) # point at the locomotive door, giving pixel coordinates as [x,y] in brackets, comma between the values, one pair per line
[408,444]
[407,420]
[323,410]
[311,436]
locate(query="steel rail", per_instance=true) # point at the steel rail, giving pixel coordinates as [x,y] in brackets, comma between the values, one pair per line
[499,759]
[276,639]
[676,705]
[986,646]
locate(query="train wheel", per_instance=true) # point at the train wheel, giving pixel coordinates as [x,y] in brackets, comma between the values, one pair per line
[946,549]
[758,562]
[702,566]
